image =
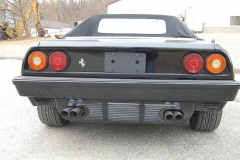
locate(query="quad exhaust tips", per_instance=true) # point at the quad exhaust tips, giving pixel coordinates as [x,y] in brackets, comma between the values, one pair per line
[168,115]
[73,112]
[178,116]
[173,115]
[77,112]
[65,113]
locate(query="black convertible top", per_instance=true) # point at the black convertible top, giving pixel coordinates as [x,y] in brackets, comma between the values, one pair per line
[174,27]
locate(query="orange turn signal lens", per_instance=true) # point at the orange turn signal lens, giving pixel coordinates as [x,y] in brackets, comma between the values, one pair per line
[37,60]
[216,63]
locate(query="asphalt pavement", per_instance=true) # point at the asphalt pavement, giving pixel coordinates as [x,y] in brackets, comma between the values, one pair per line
[23,136]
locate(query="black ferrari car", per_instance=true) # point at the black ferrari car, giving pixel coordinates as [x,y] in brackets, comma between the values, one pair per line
[131,69]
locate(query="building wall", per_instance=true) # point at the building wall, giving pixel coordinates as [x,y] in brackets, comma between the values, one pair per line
[212,13]
[222,29]
[146,7]
[50,30]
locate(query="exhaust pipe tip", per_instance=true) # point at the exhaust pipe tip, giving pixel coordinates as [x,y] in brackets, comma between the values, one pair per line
[77,112]
[65,113]
[168,116]
[178,116]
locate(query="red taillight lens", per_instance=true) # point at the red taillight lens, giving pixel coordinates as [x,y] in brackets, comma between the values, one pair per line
[37,60]
[193,63]
[58,61]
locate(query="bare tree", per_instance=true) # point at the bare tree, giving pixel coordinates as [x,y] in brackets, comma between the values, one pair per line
[72,10]
[55,10]
[20,9]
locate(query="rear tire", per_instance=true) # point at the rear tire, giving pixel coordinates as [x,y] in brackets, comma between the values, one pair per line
[2,34]
[205,120]
[50,116]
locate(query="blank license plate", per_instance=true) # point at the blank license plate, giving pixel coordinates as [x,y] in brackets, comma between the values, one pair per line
[124,62]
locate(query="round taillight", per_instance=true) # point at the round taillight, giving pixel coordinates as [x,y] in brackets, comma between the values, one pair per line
[216,63]
[37,60]
[58,61]
[193,63]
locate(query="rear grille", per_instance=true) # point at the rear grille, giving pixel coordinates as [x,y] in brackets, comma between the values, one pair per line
[152,112]
[133,112]
[125,112]
[94,111]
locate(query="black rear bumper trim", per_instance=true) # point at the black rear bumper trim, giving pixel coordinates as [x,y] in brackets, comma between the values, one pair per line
[127,89]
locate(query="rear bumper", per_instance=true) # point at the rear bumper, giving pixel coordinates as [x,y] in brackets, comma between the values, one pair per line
[127,89]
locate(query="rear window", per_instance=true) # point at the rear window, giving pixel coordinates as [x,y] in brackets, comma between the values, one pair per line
[132,26]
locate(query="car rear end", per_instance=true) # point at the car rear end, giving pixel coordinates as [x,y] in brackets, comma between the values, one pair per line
[131,69]
[134,80]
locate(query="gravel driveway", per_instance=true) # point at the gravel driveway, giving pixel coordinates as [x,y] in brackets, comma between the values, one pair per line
[17,49]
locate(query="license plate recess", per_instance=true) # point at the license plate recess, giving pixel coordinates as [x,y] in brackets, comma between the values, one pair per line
[125,62]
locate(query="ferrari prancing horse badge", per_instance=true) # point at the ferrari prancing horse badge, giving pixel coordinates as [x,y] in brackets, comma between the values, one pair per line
[82,62]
